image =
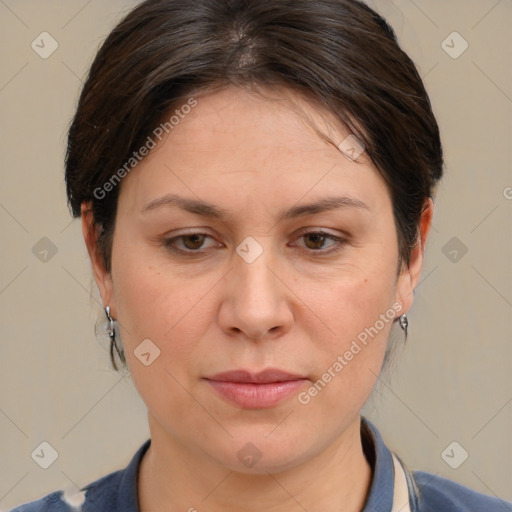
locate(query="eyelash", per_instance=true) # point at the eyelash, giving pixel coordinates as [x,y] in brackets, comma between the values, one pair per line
[340,242]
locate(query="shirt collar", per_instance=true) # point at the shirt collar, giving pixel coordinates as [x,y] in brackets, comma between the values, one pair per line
[380,496]
[127,492]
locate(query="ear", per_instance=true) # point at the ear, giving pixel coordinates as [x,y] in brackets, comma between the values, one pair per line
[409,277]
[102,277]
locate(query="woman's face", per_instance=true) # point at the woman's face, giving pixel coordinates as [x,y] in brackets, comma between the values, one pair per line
[221,260]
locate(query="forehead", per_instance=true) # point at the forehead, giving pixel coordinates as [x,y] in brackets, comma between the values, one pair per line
[262,118]
[269,147]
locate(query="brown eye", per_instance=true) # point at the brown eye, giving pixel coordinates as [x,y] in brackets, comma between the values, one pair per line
[193,243]
[317,240]
[321,243]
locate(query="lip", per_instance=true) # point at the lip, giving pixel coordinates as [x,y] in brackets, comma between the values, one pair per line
[256,390]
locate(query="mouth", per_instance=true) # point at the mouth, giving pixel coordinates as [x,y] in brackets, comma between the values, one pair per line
[259,390]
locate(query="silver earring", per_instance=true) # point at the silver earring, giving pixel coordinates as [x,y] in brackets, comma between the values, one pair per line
[113,342]
[111,326]
[404,323]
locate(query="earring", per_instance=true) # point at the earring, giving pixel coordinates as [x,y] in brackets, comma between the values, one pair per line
[111,326]
[113,342]
[404,323]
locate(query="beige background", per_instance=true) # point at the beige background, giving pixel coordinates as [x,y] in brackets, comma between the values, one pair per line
[452,382]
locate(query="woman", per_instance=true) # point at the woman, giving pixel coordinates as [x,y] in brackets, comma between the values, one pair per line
[256,183]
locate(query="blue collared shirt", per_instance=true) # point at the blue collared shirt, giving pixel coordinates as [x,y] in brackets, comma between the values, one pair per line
[117,492]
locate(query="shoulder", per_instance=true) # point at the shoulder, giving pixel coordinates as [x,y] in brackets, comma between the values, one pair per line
[439,494]
[101,493]
[51,502]
[115,492]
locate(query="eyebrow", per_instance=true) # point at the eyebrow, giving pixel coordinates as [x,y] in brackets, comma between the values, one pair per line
[210,210]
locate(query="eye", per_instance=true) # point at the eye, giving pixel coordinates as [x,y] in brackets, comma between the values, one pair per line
[315,241]
[194,243]
[190,243]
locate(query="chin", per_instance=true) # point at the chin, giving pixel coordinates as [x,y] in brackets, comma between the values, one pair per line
[260,454]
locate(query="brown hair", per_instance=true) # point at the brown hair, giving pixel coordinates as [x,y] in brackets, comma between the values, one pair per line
[339,52]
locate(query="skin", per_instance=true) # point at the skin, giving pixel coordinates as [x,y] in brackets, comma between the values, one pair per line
[292,308]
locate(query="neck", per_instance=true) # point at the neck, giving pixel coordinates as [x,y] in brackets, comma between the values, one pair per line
[173,478]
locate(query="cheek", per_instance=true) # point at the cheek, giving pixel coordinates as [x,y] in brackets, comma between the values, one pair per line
[358,311]
[168,311]
[161,306]
[351,301]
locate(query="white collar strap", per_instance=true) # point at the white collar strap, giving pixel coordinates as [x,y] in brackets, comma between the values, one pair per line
[401,491]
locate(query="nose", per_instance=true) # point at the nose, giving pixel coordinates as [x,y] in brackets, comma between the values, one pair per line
[256,302]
